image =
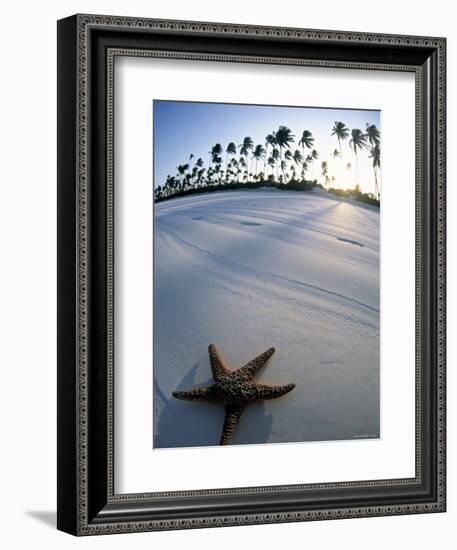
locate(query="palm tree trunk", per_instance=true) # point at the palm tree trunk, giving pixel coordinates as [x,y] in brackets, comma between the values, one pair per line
[356,169]
[376,188]
[265,163]
[341,153]
[280,161]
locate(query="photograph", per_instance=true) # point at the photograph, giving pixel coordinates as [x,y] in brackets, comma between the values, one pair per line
[266,268]
[251,269]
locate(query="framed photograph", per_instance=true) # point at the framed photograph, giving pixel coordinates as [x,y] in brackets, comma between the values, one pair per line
[251,274]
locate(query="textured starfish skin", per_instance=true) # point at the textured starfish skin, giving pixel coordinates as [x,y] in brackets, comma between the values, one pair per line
[234,389]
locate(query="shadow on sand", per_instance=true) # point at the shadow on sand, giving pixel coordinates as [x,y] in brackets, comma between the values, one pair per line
[197,423]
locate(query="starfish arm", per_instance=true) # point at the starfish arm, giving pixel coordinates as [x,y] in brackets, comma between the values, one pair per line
[232,417]
[252,368]
[197,394]
[270,391]
[218,367]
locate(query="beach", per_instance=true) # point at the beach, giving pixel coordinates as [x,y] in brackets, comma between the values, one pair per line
[251,269]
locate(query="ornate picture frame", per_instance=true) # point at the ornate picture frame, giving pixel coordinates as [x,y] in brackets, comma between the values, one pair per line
[87,500]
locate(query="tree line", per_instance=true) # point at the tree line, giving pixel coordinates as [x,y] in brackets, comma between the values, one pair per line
[279,160]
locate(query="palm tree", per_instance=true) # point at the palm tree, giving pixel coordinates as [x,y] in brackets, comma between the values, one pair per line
[372,134]
[341,131]
[375,154]
[271,163]
[287,157]
[324,172]
[231,150]
[270,140]
[258,154]
[306,139]
[305,166]
[229,171]
[298,157]
[157,192]
[284,138]
[235,168]
[314,156]
[182,169]
[200,175]
[283,168]
[218,166]
[243,165]
[357,142]
[194,174]
[197,167]
[335,155]
[216,150]
[245,147]
[276,155]
[169,185]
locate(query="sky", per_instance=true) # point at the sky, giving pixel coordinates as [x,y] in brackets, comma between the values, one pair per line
[184,128]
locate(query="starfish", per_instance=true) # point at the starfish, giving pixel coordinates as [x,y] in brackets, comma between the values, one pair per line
[234,389]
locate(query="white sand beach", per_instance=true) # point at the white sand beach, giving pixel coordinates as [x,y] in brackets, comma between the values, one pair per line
[251,269]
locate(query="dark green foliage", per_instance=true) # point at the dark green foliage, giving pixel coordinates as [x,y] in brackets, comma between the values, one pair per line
[356,194]
[296,185]
[368,198]
[270,183]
